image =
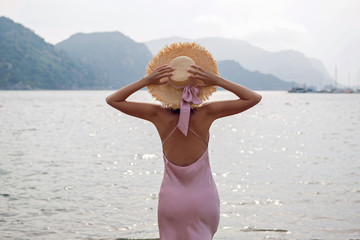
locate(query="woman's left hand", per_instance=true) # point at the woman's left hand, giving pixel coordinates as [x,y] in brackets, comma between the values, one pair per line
[207,77]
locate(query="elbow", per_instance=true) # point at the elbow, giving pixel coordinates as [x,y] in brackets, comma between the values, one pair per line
[109,100]
[114,103]
[256,99]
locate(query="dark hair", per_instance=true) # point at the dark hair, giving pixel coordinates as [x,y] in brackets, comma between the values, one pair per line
[177,111]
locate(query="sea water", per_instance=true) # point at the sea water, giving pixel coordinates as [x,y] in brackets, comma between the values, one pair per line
[72,167]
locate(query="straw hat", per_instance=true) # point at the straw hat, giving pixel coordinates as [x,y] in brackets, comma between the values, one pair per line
[181,56]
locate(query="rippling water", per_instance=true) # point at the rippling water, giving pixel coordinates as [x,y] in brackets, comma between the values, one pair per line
[73,168]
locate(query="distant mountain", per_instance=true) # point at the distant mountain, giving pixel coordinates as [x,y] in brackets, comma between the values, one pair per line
[28,62]
[291,66]
[233,71]
[116,59]
[84,61]
[109,60]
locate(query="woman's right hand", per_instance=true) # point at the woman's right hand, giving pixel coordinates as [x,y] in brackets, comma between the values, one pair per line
[160,75]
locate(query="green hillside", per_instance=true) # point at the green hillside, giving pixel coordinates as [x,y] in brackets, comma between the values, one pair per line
[28,62]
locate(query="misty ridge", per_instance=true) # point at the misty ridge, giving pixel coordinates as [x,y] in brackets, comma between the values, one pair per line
[111,60]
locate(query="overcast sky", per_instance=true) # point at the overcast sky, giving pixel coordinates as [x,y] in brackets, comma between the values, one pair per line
[328,30]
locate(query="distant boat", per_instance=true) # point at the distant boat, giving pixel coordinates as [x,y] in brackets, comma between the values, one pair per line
[297,90]
[300,90]
[310,90]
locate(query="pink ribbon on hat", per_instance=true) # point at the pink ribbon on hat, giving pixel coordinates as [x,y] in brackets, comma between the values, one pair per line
[189,95]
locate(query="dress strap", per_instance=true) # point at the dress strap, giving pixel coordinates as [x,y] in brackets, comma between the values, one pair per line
[201,138]
[169,135]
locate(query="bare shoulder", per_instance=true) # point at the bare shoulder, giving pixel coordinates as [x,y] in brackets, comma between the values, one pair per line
[201,119]
[220,109]
[165,119]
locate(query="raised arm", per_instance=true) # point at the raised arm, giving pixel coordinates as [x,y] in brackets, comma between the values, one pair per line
[218,109]
[145,111]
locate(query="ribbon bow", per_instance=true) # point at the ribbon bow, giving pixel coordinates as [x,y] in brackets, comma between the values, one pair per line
[189,96]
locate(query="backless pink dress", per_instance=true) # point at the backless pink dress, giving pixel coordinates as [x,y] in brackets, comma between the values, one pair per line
[189,206]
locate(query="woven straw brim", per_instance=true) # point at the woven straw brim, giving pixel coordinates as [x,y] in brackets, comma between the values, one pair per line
[169,96]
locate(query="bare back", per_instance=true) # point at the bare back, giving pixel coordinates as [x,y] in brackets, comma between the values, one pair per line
[179,149]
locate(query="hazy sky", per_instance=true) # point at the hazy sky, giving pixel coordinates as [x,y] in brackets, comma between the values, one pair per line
[328,30]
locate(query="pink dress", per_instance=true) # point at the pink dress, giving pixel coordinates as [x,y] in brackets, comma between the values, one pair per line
[189,206]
